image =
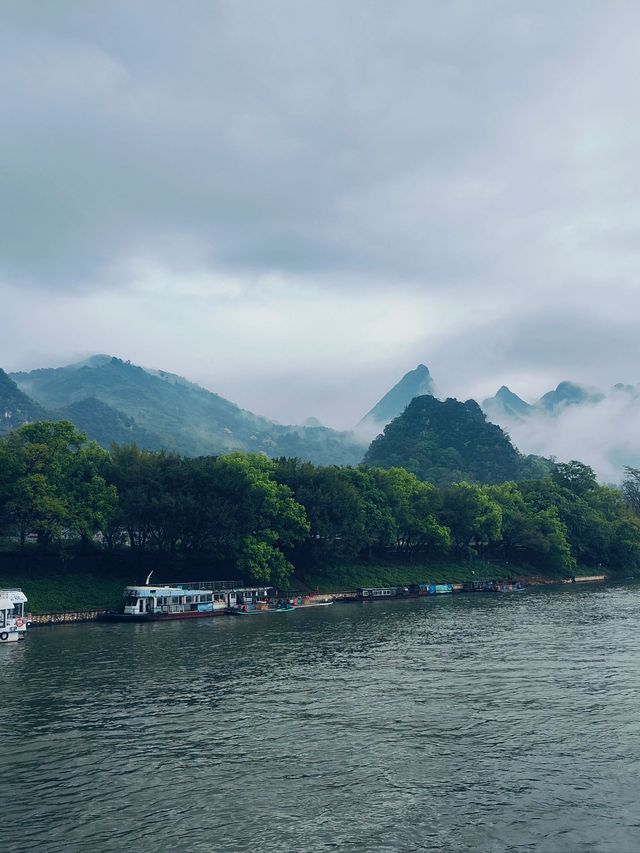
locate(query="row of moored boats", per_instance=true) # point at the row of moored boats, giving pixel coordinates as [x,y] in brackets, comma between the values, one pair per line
[204,599]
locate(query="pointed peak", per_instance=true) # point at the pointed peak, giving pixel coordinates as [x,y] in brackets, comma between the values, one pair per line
[415,383]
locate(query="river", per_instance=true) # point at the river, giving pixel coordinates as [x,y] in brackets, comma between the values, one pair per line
[457,723]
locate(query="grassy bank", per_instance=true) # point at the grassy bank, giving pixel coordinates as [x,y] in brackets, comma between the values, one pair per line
[352,575]
[68,592]
[85,591]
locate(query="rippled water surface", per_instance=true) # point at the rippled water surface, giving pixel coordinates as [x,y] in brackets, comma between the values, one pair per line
[451,724]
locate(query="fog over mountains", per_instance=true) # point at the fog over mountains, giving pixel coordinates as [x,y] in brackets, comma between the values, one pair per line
[115,401]
[599,427]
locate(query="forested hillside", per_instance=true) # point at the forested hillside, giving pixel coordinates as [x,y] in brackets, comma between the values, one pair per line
[448,442]
[263,517]
[115,401]
[16,408]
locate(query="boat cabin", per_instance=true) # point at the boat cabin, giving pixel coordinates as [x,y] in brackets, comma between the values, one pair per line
[189,598]
[13,616]
[376,592]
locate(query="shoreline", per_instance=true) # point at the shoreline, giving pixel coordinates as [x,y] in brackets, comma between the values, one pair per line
[72,617]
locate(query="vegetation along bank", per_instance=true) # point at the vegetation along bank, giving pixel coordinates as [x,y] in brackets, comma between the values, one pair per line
[77,521]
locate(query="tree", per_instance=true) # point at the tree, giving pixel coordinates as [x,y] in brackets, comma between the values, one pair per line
[631,489]
[91,502]
[40,457]
[473,517]
[413,507]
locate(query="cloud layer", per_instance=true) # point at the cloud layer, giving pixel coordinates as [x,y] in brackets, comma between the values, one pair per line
[294,203]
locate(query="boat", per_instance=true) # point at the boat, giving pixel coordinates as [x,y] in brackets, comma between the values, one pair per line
[509,587]
[187,600]
[376,593]
[14,621]
[300,601]
[262,607]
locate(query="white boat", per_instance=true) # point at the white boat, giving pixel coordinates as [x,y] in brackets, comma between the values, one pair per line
[188,600]
[14,621]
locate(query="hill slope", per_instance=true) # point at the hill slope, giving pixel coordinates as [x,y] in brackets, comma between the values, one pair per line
[445,442]
[505,404]
[168,411]
[16,408]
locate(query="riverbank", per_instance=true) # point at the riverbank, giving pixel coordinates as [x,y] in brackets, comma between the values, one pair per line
[74,596]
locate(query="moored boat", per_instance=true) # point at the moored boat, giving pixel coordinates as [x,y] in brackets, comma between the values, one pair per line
[14,621]
[300,601]
[187,600]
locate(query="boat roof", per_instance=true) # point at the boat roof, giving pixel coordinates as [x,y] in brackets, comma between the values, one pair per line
[144,590]
[6,603]
[16,595]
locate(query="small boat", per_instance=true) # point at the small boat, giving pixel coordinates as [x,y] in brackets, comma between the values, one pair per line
[300,601]
[248,610]
[510,587]
[14,622]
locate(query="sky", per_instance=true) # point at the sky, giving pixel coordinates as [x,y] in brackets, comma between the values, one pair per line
[293,203]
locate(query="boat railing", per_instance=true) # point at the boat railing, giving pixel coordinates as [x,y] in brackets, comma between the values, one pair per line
[212,585]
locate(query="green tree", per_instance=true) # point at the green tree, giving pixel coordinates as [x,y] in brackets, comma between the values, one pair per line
[413,508]
[472,516]
[40,457]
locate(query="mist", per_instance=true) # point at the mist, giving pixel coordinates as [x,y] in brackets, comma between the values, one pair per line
[603,434]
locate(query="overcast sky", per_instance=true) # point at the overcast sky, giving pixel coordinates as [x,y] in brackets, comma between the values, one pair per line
[294,203]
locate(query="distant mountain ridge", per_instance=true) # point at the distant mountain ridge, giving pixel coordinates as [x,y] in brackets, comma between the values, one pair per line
[114,400]
[507,405]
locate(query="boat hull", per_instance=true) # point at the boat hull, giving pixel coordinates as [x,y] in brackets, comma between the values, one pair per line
[161,617]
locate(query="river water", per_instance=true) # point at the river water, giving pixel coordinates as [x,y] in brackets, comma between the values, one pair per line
[457,723]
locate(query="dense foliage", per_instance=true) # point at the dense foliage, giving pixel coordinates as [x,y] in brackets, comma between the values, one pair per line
[444,442]
[264,516]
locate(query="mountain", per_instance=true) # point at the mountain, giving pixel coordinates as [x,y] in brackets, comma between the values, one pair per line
[506,404]
[159,409]
[567,394]
[106,425]
[16,408]
[446,441]
[413,384]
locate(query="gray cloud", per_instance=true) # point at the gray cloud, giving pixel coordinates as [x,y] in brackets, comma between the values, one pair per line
[449,183]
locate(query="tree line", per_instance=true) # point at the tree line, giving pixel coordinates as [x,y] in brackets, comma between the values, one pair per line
[265,516]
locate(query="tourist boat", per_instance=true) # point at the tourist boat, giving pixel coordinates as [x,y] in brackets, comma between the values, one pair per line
[187,600]
[14,621]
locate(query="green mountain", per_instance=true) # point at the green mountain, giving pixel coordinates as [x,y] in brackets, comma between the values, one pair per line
[446,442]
[413,384]
[109,397]
[106,425]
[16,408]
